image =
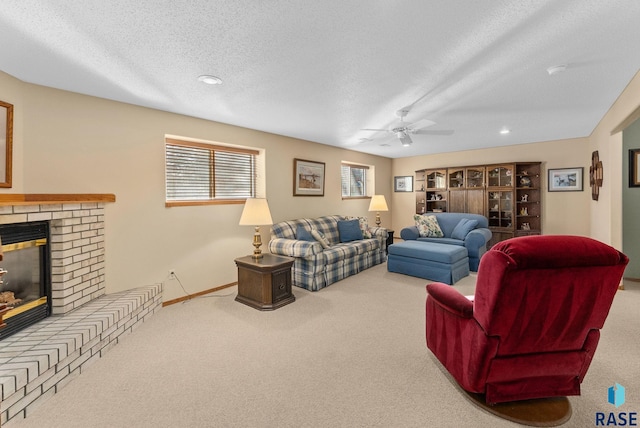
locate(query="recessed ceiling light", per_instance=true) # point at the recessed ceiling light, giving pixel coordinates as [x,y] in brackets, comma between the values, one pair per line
[556,69]
[210,80]
[505,131]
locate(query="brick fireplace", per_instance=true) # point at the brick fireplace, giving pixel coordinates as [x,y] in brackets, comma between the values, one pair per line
[85,322]
[77,248]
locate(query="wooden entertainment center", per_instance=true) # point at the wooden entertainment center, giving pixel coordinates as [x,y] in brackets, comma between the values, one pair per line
[508,194]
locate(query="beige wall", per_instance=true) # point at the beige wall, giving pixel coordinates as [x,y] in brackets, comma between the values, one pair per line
[563,212]
[79,144]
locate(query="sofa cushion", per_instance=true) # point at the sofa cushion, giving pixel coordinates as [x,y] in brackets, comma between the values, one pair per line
[349,230]
[319,236]
[463,228]
[365,245]
[303,234]
[428,226]
[328,225]
[339,253]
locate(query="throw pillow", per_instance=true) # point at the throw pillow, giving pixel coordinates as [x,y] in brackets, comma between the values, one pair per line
[303,234]
[319,236]
[349,230]
[463,228]
[428,226]
[364,226]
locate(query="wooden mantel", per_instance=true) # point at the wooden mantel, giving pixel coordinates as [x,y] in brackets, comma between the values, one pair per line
[54,198]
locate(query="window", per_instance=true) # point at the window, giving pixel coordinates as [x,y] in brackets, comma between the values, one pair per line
[201,173]
[355,180]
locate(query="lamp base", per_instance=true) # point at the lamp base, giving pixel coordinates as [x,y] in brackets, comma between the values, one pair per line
[257,242]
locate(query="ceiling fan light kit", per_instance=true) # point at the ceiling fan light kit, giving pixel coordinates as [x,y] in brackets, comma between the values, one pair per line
[404,138]
[403,131]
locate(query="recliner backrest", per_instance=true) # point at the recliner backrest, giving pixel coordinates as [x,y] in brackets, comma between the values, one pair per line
[545,293]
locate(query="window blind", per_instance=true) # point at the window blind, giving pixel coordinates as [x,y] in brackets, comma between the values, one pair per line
[198,172]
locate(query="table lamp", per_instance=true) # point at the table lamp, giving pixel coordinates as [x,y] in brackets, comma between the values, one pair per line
[256,213]
[378,203]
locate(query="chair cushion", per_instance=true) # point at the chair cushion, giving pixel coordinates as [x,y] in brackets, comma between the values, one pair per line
[463,228]
[428,226]
[349,230]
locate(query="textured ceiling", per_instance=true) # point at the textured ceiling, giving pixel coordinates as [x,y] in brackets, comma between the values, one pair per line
[324,70]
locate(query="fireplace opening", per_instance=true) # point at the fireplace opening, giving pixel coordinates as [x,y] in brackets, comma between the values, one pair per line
[25,275]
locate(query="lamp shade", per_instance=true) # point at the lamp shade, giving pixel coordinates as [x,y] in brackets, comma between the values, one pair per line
[378,203]
[255,213]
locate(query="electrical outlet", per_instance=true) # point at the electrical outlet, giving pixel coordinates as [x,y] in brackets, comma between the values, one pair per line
[172,274]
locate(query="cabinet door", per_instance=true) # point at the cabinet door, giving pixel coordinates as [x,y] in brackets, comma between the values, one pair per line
[457,201]
[475,201]
[500,175]
[475,177]
[456,178]
[436,179]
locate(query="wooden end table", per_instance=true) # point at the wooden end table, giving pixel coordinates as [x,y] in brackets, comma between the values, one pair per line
[264,284]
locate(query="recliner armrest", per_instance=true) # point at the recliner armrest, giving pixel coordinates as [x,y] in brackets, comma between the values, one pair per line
[450,299]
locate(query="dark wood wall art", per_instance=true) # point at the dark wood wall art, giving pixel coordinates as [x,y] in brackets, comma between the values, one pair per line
[6,143]
[595,175]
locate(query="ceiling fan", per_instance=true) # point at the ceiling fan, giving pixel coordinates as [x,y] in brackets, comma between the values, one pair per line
[403,130]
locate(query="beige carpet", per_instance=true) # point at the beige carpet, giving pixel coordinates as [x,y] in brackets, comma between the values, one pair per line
[351,355]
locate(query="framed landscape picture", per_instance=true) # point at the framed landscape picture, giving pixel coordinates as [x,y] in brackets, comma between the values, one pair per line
[566,180]
[403,183]
[308,178]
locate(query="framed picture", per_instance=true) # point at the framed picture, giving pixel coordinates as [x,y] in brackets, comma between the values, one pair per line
[403,183]
[634,168]
[6,143]
[566,180]
[308,178]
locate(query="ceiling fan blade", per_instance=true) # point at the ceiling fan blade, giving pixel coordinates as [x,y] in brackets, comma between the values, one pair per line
[421,124]
[434,132]
[375,130]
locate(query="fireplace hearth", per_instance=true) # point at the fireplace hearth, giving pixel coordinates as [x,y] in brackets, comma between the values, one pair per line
[25,275]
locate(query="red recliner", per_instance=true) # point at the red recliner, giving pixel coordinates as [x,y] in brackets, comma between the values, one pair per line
[533,325]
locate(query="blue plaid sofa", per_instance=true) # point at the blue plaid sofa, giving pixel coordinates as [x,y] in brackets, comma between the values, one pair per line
[316,267]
